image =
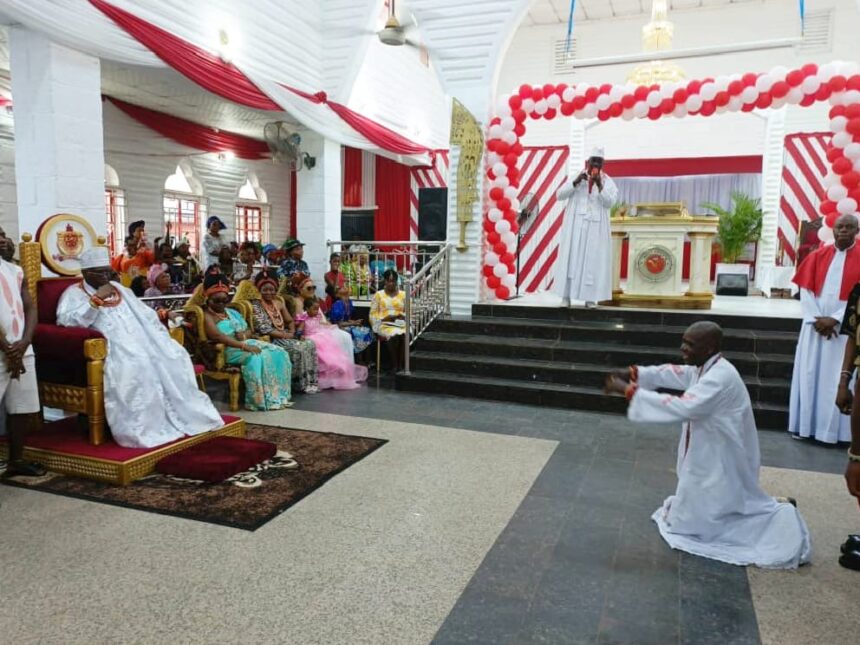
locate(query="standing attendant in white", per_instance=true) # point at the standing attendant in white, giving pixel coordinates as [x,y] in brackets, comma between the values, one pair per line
[825,278]
[718,511]
[583,268]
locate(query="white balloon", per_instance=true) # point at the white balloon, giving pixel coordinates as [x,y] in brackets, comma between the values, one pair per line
[500,169]
[764,83]
[627,115]
[511,193]
[679,111]
[580,89]
[831,179]
[554,101]
[541,107]
[810,84]
[509,239]
[841,139]
[825,235]
[501,182]
[837,192]
[722,83]
[846,206]
[694,103]
[850,97]
[603,101]
[749,94]
[569,94]
[838,123]
[852,151]
[508,123]
[857,166]
[778,103]
[708,91]
[616,93]
[720,109]
[653,99]
[494,214]
[529,105]
[515,204]
[826,72]
[509,281]
[590,111]
[836,98]
[640,109]
[794,96]
[491,259]
[503,226]
[735,103]
[500,270]
[779,72]
[495,132]
[509,137]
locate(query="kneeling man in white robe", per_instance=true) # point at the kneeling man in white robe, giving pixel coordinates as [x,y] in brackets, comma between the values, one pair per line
[583,267]
[825,278]
[151,394]
[718,511]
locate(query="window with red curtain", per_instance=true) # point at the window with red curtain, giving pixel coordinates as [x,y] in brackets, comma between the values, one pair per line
[184,215]
[392,200]
[115,216]
[352,177]
[252,223]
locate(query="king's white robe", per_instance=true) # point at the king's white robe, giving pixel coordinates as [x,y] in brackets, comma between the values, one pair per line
[817,364]
[718,511]
[151,394]
[583,267]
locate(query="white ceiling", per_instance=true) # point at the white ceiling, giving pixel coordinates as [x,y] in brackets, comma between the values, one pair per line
[552,12]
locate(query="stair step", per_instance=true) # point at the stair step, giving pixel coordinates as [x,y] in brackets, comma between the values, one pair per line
[767,416]
[766,390]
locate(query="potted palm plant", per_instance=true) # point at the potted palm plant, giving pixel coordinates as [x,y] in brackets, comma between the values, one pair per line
[738,227]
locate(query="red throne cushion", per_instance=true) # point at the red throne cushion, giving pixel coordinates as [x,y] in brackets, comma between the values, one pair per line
[48,292]
[217,459]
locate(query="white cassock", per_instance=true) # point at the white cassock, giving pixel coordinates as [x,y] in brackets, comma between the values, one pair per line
[817,364]
[718,510]
[151,394]
[583,268]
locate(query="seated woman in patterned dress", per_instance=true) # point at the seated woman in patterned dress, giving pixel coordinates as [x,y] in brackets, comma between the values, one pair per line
[266,368]
[388,316]
[272,319]
[337,364]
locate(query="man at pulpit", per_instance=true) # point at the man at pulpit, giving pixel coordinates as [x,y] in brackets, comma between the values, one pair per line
[151,394]
[583,268]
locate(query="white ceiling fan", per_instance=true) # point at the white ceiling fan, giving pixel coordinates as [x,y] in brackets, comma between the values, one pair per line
[394,31]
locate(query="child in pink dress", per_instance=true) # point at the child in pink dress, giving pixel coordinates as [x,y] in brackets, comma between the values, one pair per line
[337,368]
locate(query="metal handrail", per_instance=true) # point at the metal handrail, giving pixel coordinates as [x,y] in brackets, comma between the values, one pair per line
[424,287]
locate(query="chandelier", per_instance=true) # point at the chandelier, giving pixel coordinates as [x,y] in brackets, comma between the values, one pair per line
[657,37]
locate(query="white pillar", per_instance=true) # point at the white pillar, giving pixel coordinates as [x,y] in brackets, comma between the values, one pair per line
[465,272]
[318,201]
[59,148]
[771,184]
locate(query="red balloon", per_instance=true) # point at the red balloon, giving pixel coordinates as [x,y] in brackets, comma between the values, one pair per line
[503,293]
[833,154]
[838,83]
[489,227]
[519,129]
[693,87]
[499,248]
[736,87]
[627,101]
[591,94]
[603,115]
[794,77]
[779,89]
[809,69]
[537,94]
[548,89]
[515,101]
[510,215]
[502,148]
[566,109]
[487,270]
[519,115]
[510,159]
[842,165]
[503,204]
[493,238]
[490,174]
[640,93]
[667,106]
[764,101]
[550,114]
[855,195]
[853,126]
[654,113]
[615,110]
[653,87]
[722,98]
[807,100]
[749,79]
[525,92]
[853,82]
[823,92]
[535,116]
[827,207]
[507,258]
[830,219]
[851,179]
[837,110]
[852,111]
[748,107]
[579,102]
[496,193]
[708,108]
[517,149]
[560,88]
[496,120]
[493,282]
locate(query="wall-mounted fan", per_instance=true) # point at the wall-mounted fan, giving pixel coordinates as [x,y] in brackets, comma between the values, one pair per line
[285,146]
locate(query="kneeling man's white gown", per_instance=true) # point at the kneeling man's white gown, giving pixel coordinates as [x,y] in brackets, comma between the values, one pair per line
[718,511]
[151,394]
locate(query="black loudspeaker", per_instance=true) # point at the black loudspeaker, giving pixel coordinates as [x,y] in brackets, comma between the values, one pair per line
[432,214]
[356,224]
[732,284]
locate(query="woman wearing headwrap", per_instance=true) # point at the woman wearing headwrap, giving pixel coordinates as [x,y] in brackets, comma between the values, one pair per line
[271,318]
[266,368]
[135,261]
[159,285]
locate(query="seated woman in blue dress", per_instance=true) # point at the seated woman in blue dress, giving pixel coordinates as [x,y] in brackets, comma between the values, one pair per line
[266,368]
[342,314]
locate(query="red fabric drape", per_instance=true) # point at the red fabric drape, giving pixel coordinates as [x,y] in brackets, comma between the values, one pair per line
[227,81]
[193,134]
[392,201]
[351,177]
[293,204]
[672,167]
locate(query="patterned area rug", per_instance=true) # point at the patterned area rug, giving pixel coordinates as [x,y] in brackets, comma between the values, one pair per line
[304,462]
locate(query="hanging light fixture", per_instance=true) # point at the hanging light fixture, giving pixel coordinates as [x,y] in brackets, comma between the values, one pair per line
[657,37]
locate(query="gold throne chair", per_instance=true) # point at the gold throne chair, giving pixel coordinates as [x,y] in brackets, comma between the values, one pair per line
[69,360]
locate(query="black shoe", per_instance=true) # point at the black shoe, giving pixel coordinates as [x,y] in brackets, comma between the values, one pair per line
[24,469]
[851,560]
[851,544]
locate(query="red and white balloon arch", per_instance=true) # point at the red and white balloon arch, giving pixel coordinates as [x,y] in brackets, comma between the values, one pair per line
[837,82]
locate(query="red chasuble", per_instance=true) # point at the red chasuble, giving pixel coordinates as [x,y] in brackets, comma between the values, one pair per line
[813,270]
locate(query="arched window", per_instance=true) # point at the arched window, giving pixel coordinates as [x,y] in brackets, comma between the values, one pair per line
[184,207]
[252,212]
[114,211]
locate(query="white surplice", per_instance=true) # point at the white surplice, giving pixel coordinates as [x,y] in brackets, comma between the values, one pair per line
[151,394]
[818,362]
[583,267]
[718,511]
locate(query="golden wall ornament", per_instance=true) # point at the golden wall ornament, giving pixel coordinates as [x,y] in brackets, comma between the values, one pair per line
[467,134]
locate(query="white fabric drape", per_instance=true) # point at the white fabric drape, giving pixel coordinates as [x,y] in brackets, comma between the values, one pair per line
[691,189]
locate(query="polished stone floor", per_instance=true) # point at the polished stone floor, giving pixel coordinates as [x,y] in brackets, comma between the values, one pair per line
[479,522]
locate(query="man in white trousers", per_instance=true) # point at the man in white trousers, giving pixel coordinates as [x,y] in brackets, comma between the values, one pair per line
[583,268]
